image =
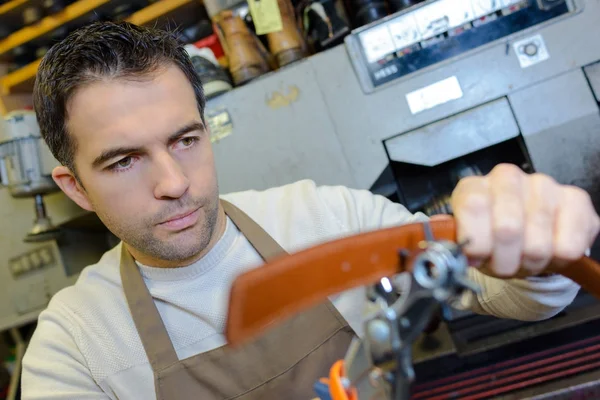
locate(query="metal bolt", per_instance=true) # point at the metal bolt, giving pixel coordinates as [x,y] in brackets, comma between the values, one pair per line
[379,331]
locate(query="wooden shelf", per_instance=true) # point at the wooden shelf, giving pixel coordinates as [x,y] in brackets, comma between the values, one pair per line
[157,10]
[11,5]
[22,79]
[49,23]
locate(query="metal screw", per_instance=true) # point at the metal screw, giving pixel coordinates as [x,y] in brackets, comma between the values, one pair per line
[375,377]
[345,383]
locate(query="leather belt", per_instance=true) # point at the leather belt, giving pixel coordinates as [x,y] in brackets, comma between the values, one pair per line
[293,283]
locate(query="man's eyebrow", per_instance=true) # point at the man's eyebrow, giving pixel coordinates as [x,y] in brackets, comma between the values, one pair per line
[112,153]
[194,126]
[119,151]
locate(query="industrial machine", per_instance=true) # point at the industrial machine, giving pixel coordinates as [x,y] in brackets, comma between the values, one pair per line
[36,261]
[26,166]
[39,260]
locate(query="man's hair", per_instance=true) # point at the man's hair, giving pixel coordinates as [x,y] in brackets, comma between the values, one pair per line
[96,52]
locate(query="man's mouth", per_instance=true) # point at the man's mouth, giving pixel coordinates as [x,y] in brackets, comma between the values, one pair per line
[182,220]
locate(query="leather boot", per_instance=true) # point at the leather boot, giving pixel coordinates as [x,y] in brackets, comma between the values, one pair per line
[363,12]
[399,5]
[246,56]
[324,26]
[287,45]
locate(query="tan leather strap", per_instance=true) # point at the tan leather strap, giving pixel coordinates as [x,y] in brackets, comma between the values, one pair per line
[586,273]
[153,334]
[265,296]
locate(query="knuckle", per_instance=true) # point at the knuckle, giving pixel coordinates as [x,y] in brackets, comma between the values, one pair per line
[508,229]
[542,183]
[542,217]
[467,183]
[476,202]
[538,251]
[595,225]
[568,253]
[509,170]
[470,179]
[542,178]
[478,248]
[577,194]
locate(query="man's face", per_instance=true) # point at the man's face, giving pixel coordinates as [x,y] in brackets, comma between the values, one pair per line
[145,161]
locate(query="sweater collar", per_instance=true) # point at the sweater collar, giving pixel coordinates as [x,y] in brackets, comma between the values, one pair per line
[202,266]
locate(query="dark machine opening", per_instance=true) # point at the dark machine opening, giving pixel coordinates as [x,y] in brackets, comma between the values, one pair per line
[428,189]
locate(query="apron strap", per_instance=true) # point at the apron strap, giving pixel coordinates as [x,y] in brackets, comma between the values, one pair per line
[153,334]
[149,324]
[262,242]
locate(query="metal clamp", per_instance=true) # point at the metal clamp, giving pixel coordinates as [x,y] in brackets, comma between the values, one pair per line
[379,366]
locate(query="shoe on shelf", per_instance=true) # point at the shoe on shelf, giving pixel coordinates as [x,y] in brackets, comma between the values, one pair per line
[215,80]
[287,45]
[363,12]
[323,24]
[247,57]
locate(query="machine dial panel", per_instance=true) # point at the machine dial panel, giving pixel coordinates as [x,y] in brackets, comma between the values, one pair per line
[433,31]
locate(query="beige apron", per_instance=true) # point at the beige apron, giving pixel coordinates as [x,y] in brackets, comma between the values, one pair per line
[283,364]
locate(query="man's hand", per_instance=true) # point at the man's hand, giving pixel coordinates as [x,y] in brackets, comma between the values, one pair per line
[522,224]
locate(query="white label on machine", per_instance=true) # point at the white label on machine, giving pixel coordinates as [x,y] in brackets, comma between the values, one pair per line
[433,95]
[531,51]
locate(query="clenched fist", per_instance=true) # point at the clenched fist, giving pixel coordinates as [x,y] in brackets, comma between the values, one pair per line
[521,224]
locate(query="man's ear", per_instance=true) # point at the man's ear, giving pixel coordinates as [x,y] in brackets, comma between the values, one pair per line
[66,181]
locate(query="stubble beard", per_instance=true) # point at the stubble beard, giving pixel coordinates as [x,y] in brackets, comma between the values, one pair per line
[143,237]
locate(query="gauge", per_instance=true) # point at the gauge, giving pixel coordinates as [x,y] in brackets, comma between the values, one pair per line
[377,43]
[432,19]
[508,3]
[405,31]
[485,7]
[459,12]
[438,17]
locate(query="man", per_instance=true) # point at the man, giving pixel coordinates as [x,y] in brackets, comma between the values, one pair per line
[122,110]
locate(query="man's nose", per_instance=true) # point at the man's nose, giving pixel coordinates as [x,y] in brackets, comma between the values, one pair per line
[171,181]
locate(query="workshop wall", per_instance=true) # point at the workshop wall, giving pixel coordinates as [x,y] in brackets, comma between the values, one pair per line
[399,97]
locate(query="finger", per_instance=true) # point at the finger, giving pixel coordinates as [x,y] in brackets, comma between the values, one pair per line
[541,207]
[576,225]
[594,228]
[508,212]
[594,231]
[471,204]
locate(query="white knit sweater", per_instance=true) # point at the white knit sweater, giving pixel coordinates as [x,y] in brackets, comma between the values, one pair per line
[86,345]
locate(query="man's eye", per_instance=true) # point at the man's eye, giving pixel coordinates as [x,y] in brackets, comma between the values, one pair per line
[188,141]
[123,163]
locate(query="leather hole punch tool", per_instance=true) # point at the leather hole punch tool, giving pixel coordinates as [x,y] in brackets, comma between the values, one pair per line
[379,364]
